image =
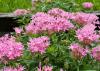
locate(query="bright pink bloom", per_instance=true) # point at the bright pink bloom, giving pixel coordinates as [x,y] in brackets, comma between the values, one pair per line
[18,30]
[87,5]
[39,44]
[87,33]
[77,51]
[20,68]
[96,53]
[85,18]
[19,12]
[42,22]
[9,48]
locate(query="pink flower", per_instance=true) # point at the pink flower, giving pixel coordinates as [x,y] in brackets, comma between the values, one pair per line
[85,18]
[87,5]
[40,68]
[47,68]
[87,34]
[78,52]
[56,12]
[9,48]
[19,68]
[39,44]
[18,30]
[96,53]
[61,69]
[19,12]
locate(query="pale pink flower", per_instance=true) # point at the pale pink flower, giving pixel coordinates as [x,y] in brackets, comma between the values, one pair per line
[96,53]
[18,30]
[87,5]
[19,12]
[39,44]
[78,51]
[61,69]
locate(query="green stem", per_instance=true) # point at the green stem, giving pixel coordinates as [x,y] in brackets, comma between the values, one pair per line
[77,68]
[98,66]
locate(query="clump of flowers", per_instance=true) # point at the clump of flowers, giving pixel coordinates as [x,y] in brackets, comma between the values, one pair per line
[78,51]
[85,18]
[9,48]
[56,12]
[42,22]
[39,44]
[19,12]
[19,68]
[87,34]
[96,53]
[87,5]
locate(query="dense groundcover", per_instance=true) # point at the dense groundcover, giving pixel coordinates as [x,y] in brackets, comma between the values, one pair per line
[53,40]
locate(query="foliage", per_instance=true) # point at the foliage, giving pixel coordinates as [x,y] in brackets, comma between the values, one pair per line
[11,5]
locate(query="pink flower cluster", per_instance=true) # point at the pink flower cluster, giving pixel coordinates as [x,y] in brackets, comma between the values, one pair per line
[85,18]
[20,68]
[39,44]
[77,51]
[43,22]
[87,34]
[56,12]
[87,5]
[9,48]
[19,12]
[96,53]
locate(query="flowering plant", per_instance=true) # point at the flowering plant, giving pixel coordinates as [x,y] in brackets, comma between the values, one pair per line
[52,41]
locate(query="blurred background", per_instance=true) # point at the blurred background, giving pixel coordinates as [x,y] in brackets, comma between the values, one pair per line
[11,5]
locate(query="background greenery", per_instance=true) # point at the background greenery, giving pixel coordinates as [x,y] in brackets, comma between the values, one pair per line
[11,5]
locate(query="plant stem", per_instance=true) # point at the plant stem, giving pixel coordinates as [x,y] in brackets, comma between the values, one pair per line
[77,68]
